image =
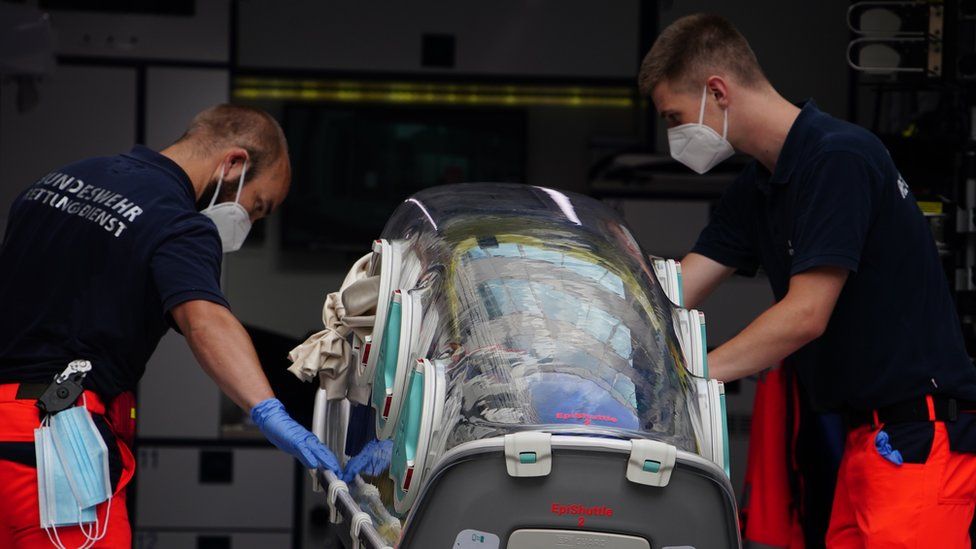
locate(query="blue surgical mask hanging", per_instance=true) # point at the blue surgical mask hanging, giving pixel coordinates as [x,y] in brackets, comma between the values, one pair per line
[58,506]
[84,455]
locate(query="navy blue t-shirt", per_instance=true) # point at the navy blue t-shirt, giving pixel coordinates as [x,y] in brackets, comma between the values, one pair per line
[94,257]
[837,199]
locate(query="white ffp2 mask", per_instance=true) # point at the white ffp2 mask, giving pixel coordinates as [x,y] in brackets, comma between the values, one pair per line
[232,221]
[698,146]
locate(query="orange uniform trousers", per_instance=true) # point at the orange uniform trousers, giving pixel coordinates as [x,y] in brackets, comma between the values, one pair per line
[880,505]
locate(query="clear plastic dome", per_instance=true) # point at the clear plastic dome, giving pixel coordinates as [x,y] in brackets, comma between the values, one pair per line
[543,314]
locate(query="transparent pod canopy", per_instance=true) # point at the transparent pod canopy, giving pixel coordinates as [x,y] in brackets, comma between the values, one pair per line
[530,309]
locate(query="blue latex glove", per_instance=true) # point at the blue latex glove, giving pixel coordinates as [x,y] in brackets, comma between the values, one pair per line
[374,458]
[882,443]
[288,435]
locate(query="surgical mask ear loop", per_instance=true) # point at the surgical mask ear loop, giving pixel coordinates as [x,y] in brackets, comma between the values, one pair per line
[217,190]
[725,125]
[240,184]
[701,115]
[701,110]
[93,539]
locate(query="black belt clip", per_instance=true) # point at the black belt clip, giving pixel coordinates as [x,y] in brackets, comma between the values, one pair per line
[62,393]
[952,410]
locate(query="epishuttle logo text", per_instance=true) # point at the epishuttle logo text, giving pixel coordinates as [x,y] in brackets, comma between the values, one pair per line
[581,510]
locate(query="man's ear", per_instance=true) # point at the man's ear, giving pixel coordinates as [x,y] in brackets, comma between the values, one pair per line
[718,88]
[233,161]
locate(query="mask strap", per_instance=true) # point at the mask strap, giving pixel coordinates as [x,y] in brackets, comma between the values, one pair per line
[701,112]
[217,190]
[99,532]
[240,184]
[55,540]
[100,529]
[725,124]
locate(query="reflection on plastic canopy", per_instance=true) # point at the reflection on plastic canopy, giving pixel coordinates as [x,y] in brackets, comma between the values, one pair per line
[545,315]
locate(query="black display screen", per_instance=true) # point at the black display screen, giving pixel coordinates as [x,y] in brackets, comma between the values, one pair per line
[352,165]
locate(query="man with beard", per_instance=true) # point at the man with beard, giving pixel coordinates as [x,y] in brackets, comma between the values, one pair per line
[100,258]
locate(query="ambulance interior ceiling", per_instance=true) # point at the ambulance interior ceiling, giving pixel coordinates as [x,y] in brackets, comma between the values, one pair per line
[378,101]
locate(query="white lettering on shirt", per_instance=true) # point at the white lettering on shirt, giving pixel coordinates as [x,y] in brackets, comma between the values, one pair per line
[132,213]
[85,202]
[121,206]
[902,186]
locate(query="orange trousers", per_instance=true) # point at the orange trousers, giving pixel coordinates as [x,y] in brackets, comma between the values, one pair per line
[19,513]
[880,505]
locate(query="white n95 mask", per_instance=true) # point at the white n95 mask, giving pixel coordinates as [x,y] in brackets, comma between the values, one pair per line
[698,146]
[232,221]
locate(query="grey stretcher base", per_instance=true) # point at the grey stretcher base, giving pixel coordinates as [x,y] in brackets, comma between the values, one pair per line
[586,501]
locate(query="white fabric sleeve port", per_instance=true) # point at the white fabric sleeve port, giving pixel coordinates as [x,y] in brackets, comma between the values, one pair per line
[326,354]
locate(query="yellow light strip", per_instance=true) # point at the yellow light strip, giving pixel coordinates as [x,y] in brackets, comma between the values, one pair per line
[931,208]
[617,91]
[248,88]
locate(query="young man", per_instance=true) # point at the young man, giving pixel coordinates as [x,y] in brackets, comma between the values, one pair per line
[103,256]
[862,308]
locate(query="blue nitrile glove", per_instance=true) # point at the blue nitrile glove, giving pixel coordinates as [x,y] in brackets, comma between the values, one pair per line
[881,442]
[374,458]
[288,435]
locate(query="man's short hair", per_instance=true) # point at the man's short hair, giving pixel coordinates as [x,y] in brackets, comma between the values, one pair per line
[249,128]
[692,48]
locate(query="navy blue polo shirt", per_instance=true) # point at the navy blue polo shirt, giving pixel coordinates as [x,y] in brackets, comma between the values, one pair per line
[94,257]
[836,199]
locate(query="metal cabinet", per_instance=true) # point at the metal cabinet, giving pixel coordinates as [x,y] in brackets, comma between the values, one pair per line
[215,487]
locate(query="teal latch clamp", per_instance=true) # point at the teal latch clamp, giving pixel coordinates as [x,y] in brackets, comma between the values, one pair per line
[651,462]
[528,454]
[651,466]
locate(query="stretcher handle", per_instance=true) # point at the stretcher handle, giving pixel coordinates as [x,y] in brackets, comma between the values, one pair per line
[347,509]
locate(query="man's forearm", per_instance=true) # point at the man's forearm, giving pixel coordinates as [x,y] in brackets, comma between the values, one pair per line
[776,334]
[700,276]
[224,350]
[784,328]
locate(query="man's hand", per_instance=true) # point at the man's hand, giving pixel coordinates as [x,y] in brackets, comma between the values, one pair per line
[784,328]
[372,460]
[285,433]
[700,276]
